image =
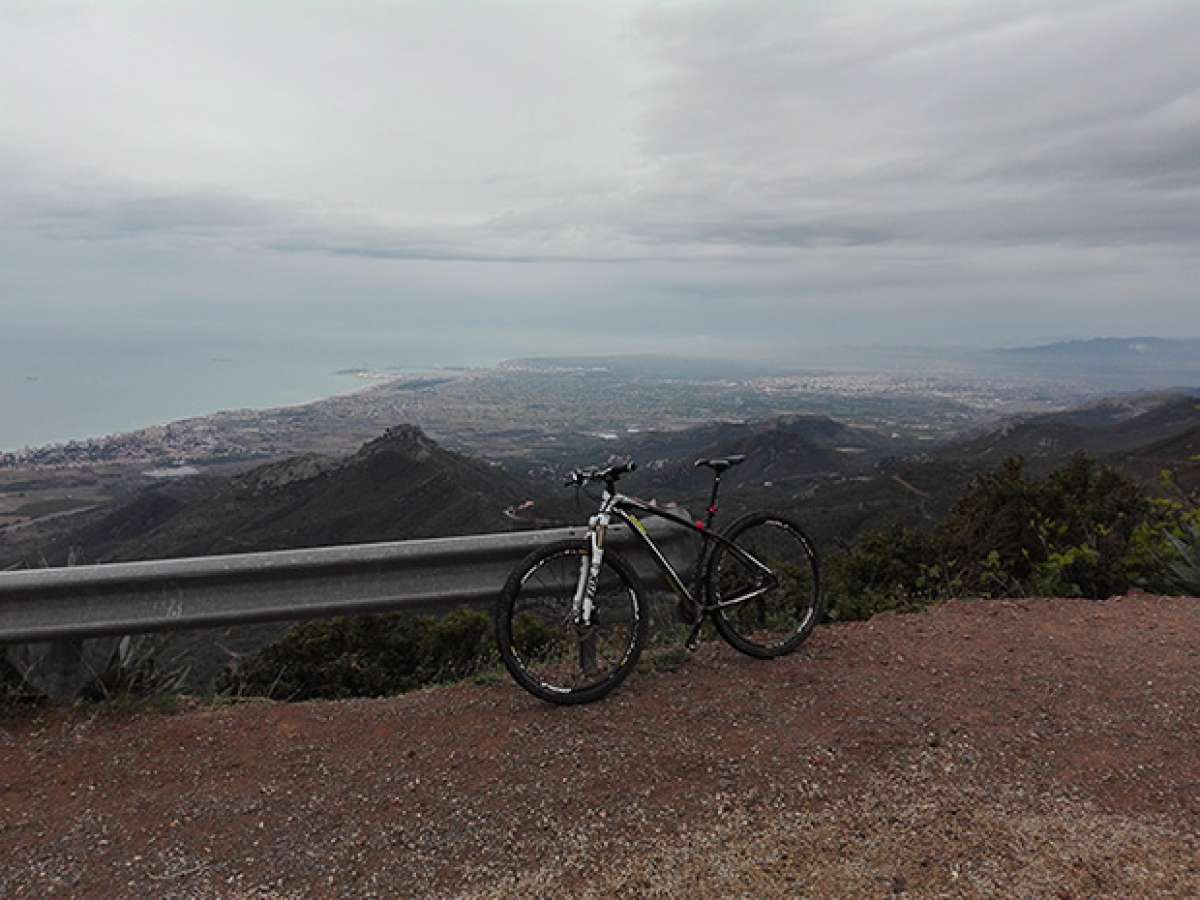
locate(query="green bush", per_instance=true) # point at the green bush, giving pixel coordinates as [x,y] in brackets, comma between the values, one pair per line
[139,671]
[1069,533]
[366,656]
[885,570]
[458,644]
[1084,530]
[533,634]
[1185,567]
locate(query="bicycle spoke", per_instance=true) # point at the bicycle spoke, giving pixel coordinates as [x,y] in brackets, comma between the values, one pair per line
[549,645]
[773,621]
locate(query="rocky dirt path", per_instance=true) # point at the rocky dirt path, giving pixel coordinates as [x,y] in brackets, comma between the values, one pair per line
[1034,748]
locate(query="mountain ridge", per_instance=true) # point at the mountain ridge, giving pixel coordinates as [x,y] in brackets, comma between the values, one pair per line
[397,486]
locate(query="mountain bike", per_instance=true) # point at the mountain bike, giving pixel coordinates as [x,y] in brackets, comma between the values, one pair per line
[572,618]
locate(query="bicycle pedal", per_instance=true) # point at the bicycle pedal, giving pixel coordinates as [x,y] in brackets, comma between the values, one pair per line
[693,640]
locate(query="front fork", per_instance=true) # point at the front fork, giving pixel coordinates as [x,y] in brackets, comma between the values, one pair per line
[584,603]
[589,571]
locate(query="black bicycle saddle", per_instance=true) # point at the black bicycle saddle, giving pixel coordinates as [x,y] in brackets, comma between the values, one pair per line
[721,463]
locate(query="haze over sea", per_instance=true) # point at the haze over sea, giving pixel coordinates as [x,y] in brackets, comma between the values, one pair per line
[54,390]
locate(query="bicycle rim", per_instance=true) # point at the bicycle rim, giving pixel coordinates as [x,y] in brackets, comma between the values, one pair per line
[549,652]
[779,619]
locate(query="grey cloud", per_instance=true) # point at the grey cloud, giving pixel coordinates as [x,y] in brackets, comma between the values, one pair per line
[776,126]
[859,154]
[763,232]
[1158,150]
[978,128]
[119,211]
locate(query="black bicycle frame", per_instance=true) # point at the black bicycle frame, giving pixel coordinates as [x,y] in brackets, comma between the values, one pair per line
[619,505]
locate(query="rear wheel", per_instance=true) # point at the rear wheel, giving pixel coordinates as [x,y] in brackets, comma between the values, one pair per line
[777,621]
[542,646]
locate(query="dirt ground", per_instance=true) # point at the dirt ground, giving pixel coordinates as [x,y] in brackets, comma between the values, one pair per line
[999,748]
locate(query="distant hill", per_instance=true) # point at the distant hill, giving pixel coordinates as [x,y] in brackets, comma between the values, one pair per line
[1182,446]
[1180,453]
[1120,357]
[1143,434]
[1114,348]
[1147,362]
[780,450]
[401,485]
[838,477]
[1101,429]
[1106,365]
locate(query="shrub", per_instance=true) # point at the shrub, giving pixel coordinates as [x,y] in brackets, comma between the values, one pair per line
[139,670]
[458,643]
[1163,552]
[1084,530]
[1185,568]
[1069,533]
[366,656]
[890,569]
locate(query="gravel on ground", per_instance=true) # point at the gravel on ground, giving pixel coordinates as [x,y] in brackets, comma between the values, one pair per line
[1034,748]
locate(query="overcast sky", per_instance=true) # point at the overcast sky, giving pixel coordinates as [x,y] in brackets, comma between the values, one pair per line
[477,180]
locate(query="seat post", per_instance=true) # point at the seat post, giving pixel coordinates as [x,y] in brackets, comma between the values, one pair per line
[712,500]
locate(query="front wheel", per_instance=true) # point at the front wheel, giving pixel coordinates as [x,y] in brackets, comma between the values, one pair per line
[544,646]
[778,618]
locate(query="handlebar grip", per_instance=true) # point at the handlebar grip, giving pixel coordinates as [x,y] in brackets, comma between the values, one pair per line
[582,476]
[617,470]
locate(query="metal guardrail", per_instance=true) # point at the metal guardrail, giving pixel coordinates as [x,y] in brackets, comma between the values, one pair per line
[69,604]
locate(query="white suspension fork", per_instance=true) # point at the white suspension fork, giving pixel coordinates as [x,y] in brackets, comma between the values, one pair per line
[589,571]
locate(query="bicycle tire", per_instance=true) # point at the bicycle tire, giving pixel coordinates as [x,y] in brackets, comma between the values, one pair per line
[780,621]
[538,642]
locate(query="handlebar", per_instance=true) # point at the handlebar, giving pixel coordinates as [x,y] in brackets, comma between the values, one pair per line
[608,474]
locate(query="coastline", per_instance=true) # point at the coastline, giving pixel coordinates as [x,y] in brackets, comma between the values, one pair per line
[55,390]
[326,423]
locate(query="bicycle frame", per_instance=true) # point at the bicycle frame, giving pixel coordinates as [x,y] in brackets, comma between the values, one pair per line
[623,507]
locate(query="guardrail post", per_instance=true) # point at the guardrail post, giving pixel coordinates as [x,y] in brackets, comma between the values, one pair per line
[61,669]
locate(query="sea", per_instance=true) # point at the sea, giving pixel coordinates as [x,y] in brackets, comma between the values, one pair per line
[52,391]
